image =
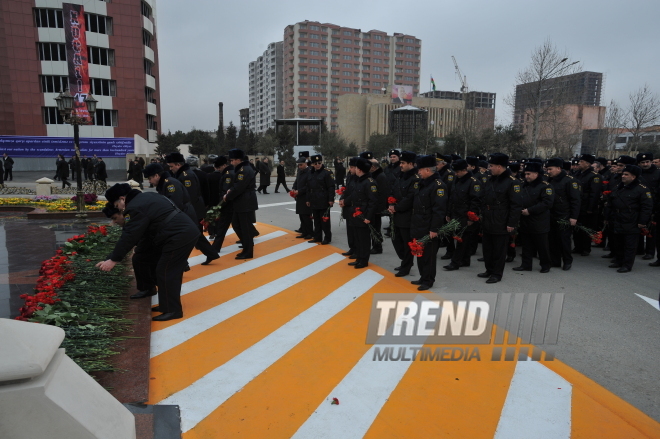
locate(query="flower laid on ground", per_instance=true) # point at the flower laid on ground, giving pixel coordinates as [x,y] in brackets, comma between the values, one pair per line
[335,401]
[87,303]
[89,198]
[292,194]
[375,236]
[473,217]
[449,229]
[341,191]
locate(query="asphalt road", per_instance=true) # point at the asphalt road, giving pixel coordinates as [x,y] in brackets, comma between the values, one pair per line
[607,331]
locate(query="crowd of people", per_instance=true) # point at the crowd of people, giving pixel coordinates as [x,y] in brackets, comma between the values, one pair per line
[554,209]
[92,168]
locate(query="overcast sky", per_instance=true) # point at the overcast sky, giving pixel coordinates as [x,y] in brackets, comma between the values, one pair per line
[205,46]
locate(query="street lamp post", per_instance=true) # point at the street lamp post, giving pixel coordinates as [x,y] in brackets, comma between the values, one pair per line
[68,112]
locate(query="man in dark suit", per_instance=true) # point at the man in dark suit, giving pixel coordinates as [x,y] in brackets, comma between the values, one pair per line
[281,177]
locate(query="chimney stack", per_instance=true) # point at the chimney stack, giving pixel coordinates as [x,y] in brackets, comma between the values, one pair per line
[221,121]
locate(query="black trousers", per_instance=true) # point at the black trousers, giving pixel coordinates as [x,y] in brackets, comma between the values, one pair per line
[400,242]
[73,174]
[322,230]
[203,244]
[580,238]
[145,262]
[350,235]
[263,187]
[463,252]
[169,276]
[9,174]
[220,228]
[283,183]
[427,263]
[533,243]
[65,182]
[451,244]
[495,248]
[242,223]
[306,225]
[624,247]
[377,241]
[85,174]
[559,240]
[362,244]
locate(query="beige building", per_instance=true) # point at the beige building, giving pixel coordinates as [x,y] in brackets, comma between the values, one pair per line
[361,115]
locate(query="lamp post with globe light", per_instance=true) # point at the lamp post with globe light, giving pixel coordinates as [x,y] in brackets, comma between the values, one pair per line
[65,105]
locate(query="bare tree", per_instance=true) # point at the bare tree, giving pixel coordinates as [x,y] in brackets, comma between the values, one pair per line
[644,111]
[612,126]
[539,89]
[559,131]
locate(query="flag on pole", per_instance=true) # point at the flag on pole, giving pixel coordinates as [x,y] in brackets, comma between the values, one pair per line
[432,83]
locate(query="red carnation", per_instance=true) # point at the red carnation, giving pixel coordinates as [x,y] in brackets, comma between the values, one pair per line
[341,190]
[326,219]
[458,238]
[292,194]
[357,212]
[606,193]
[391,200]
[473,217]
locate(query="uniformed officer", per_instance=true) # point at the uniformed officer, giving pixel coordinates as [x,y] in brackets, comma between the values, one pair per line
[628,210]
[429,213]
[384,191]
[650,177]
[392,172]
[566,208]
[363,198]
[403,190]
[501,214]
[243,194]
[443,166]
[188,178]
[150,216]
[221,166]
[321,197]
[465,197]
[346,211]
[537,198]
[591,185]
[300,189]
[214,183]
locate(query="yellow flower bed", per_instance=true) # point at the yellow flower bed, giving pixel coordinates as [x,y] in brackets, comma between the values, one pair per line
[59,205]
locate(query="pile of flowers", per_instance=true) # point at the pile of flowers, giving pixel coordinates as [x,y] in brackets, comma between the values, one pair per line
[596,236]
[87,303]
[449,229]
[51,204]
[89,198]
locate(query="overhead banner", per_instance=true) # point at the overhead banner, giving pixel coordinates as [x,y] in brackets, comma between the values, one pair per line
[402,94]
[27,146]
[76,55]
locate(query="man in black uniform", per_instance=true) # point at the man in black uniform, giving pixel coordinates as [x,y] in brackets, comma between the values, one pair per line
[650,177]
[188,179]
[465,197]
[443,166]
[150,216]
[428,215]
[215,186]
[300,189]
[340,173]
[363,198]
[628,210]
[383,192]
[501,212]
[8,164]
[537,200]
[392,172]
[590,182]
[242,193]
[566,207]
[403,190]
[346,212]
[281,177]
[321,197]
[226,170]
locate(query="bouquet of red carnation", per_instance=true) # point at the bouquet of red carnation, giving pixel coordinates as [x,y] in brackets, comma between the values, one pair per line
[391,200]
[458,238]
[646,232]
[213,214]
[375,236]
[326,215]
[292,194]
[606,182]
[606,193]
[596,237]
[417,245]
[473,217]
[513,241]
[341,191]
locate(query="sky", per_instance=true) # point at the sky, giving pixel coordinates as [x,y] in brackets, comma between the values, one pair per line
[205,50]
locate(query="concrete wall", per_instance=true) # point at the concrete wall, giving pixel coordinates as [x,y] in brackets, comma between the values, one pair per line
[48,164]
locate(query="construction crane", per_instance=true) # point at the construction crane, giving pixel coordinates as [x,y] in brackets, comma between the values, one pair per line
[461,77]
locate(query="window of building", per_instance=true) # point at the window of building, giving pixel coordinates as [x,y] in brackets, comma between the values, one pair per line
[313,102]
[314,44]
[146,38]
[146,10]
[48,18]
[346,81]
[335,80]
[303,76]
[315,36]
[335,31]
[334,88]
[356,81]
[314,78]
[314,27]
[378,37]
[408,78]
[102,56]
[314,86]
[335,56]
[378,45]
[312,61]
[347,66]
[106,118]
[314,94]
[365,75]
[365,83]
[376,76]
[409,71]
[51,116]
[151,122]
[356,50]
[366,59]
[54,84]
[148,67]
[345,41]
[377,68]
[303,52]
[51,52]
[376,84]
[378,61]
[314,69]
[375,91]
[347,49]
[348,57]
[348,89]
[314,53]
[303,68]
[105,87]
[99,24]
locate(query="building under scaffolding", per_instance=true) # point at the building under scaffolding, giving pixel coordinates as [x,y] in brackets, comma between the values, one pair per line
[405,121]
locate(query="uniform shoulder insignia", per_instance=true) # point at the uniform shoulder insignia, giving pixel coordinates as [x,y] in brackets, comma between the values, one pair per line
[184,174]
[642,186]
[371,179]
[240,176]
[439,182]
[648,195]
[171,188]
[512,177]
[374,188]
[473,179]
[546,182]
[441,192]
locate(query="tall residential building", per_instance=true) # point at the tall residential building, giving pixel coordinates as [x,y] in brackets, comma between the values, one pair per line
[266,89]
[323,61]
[123,67]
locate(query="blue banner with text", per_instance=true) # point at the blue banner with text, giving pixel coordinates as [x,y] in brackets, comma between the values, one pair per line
[26,146]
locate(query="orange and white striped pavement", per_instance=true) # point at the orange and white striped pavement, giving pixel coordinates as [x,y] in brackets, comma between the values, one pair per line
[267,343]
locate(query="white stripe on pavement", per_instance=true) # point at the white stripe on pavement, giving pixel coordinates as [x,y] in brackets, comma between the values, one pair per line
[168,338]
[538,404]
[251,264]
[653,302]
[230,231]
[276,204]
[201,398]
[196,260]
[361,394]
